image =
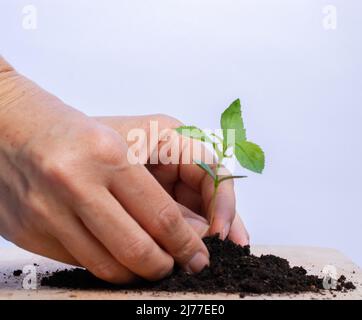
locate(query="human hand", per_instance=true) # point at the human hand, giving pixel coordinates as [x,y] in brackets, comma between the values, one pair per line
[68,192]
[190,186]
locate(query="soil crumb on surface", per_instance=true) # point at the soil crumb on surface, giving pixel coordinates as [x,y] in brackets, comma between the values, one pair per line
[17,273]
[233,269]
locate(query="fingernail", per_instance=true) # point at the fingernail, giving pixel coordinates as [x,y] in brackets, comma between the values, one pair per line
[197,263]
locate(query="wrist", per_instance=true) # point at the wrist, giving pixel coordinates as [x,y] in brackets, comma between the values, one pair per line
[18,100]
[26,110]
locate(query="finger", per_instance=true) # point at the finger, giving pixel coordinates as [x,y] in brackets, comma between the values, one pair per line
[222,208]
[183,165]
[190,173]
[129,244]
[164,222]
[125,124]
[238,232]
[198,223]
[89,252]
[154,209]
[188,197]
[49,247]
[166,176]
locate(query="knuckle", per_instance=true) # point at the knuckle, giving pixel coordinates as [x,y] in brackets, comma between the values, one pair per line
[141,254]
[168,218]
[49,162]
[35,154]
[106,146]
[56,168]
[62,172]
[187,249]
[137,252]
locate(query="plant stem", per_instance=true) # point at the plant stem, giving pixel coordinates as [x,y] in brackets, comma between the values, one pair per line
[212,206]
[216,188]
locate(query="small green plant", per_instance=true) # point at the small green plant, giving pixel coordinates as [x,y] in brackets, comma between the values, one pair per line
[233,142]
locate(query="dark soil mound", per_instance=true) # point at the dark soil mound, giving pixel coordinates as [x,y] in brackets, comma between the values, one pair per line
[232,270]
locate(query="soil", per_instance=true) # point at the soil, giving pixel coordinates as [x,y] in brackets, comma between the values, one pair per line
[233,269]
[17,273]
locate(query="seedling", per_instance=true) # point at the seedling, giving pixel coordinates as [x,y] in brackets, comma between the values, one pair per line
[232,143]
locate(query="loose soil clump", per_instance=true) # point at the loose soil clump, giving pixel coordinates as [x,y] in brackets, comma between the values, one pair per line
[233,269]
[17,273]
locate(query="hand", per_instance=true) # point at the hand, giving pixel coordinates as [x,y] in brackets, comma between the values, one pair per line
[68,192]
[190,186]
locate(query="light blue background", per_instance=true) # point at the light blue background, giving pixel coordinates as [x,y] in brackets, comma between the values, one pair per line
[299,83]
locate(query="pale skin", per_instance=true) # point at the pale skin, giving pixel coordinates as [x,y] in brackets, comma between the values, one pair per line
[67,191]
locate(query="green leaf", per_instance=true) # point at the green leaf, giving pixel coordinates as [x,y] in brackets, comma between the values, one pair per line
[194,133]
[232,119]
[250,156]
[206,168]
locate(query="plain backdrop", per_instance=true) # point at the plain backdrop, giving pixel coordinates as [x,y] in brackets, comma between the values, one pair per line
[300,85]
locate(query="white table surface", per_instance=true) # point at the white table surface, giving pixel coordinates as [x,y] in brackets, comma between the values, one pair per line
[313,259]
